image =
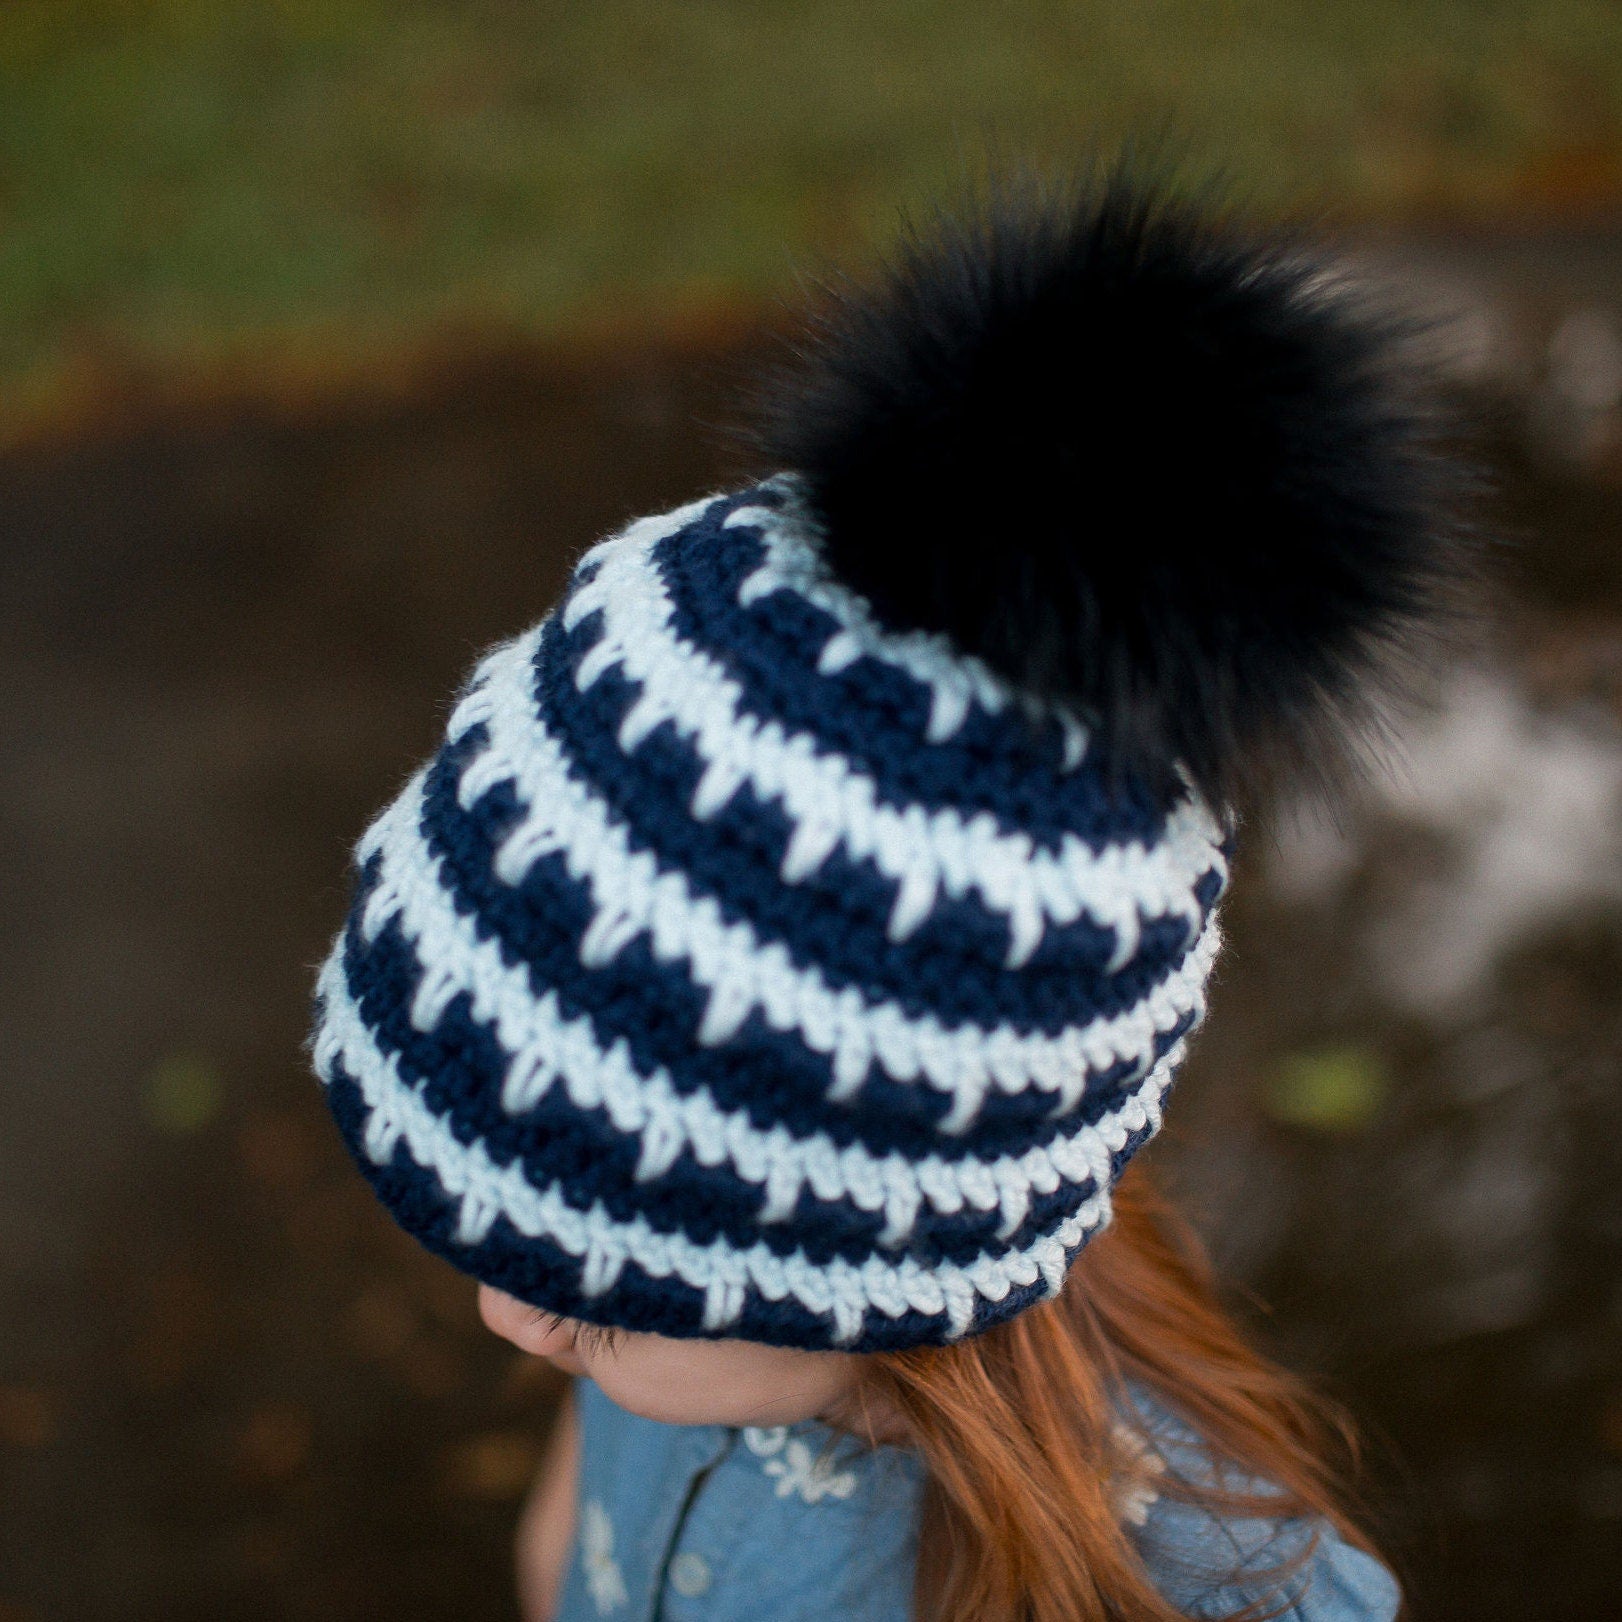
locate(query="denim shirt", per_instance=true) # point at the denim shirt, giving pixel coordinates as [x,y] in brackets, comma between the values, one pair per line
[796,1523]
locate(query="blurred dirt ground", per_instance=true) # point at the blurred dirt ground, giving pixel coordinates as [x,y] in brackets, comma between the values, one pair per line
[229,1389]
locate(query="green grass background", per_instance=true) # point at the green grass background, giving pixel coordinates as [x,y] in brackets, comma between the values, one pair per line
[187,180]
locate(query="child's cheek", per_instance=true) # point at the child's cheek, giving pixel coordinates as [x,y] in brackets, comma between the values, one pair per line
[569,1361]
[689,1384]
[668,1390]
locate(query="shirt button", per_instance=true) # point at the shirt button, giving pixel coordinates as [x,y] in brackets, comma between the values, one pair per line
[690,1575]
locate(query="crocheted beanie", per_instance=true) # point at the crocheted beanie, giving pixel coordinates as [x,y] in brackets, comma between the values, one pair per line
[800,929]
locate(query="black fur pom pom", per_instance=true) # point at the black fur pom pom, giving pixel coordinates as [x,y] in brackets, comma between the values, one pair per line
[1140,461]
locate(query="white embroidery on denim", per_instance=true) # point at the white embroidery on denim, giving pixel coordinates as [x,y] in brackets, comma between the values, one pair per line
[801,1472]
[1137,1467]
[604,1581]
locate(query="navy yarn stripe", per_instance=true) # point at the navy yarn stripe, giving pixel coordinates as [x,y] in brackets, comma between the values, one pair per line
[770,1077]
[539,1271]
[1092,813]
[836,921]
[656,1007]
[875,713]
[458,1067]
[952,966]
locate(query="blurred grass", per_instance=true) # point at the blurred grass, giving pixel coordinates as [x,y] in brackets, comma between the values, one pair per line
[184,1093]
[1330,1089]
[187,181]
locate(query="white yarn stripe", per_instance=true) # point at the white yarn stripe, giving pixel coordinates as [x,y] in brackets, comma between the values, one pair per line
[632,895]
[722,1272]
[830,801]
[542,1048]
[955,680]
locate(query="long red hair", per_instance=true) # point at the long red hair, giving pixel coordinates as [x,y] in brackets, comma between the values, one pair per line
[1019,1430]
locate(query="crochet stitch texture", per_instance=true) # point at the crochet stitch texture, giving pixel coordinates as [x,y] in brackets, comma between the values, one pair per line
[741,967]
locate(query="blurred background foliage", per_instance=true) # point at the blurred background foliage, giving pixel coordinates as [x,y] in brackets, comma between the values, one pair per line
[302,182]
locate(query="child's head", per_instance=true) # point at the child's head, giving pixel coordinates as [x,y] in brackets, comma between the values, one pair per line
[800,929]
[1026,1429]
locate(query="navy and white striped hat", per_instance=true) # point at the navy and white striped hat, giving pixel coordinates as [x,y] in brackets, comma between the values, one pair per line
[752,962]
